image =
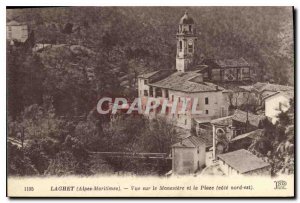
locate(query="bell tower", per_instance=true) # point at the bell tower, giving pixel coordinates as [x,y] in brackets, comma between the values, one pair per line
[186,37]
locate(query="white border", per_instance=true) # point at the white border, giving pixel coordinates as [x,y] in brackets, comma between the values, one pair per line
[5,3]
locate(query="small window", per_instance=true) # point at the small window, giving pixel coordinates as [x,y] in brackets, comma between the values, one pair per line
[198,151]
[206,111]
[145,92]
[206,100]
[190,28]
[172,98]
[180,45]
[158,92]
[146,82]
[9,28]
[185,122]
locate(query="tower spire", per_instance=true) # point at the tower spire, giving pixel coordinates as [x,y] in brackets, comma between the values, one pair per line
[185,43]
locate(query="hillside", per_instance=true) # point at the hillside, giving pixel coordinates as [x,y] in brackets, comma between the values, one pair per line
[145,36]
[82,54]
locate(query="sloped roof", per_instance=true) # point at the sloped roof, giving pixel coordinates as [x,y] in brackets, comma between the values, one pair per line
[190,142]
[14,23]
[241,116]
[225,121]
[183,82]
[207,139]
[243,161]
[288,94]
[251,134]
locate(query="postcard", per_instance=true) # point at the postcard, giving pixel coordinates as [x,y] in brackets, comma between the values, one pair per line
[150,101]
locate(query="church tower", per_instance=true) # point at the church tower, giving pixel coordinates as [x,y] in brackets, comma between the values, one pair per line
[186,37]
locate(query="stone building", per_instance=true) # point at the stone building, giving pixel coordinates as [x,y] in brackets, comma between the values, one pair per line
[243,162]
[228,70]
[186,37]
[276,103]
[264,90]
[225,129]
[16,31]
[186,82]
[188,155]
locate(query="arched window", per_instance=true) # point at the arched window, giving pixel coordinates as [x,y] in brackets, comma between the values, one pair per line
[180,45]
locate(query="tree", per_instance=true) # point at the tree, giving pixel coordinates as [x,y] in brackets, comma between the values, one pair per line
[277,144]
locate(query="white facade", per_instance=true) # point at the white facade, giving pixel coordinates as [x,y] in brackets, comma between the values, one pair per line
[211,100]
[188,160]
[143,87]
[227,170]
[185,43]
[17,32]
[276,104]
[211,105]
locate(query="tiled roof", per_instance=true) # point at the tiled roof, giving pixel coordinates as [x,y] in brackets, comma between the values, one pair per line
[207,139]
[183,82]
[251,134]
[225,121]
[243,161]
[190,142]
[241,116]
[287,94]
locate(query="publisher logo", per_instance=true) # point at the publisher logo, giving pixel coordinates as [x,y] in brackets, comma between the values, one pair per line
[280,185]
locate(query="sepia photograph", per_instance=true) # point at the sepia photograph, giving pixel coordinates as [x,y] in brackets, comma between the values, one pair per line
[181,100]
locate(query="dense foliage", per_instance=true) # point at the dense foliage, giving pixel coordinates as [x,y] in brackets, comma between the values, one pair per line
[277,143]
[92,52]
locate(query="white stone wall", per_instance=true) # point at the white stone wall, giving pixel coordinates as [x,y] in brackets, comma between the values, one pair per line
[216,107]
[187,160]
[227,170]
[19,33]
[272,105]
[142,86]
